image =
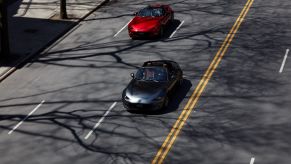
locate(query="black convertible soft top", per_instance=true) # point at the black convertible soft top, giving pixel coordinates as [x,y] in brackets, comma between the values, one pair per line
[159,63]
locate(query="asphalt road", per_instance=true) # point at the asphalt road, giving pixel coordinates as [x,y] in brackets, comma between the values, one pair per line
[243,114]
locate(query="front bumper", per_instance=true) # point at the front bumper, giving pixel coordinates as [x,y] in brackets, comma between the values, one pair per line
[140,34]
[150,106]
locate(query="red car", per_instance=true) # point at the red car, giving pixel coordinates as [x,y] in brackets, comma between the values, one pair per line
[150,21]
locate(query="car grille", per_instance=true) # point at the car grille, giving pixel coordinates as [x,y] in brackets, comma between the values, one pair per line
[139,106]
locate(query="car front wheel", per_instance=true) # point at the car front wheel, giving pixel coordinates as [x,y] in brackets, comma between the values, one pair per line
[161,32]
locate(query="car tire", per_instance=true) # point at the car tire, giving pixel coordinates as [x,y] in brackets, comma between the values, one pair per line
[161,32]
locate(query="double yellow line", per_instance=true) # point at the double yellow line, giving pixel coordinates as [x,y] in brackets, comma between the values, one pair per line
[169,141]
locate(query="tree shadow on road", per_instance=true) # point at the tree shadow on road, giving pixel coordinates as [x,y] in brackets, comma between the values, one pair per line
[78,122]
[238,110]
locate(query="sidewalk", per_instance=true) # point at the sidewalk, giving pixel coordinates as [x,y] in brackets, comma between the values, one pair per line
[35,24]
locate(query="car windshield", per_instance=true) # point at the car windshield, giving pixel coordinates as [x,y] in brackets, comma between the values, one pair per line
[156,74]
[150,11]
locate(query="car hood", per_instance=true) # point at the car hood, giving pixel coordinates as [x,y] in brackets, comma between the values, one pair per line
[145,89]
[144,23]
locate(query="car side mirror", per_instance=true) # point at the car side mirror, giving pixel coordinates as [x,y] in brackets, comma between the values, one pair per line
[134,14]
[132,75]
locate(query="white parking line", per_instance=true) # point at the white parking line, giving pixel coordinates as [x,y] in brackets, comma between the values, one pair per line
[252,160]
[15,127]
[284,61]
[177,29]
[122,28]
[99,122]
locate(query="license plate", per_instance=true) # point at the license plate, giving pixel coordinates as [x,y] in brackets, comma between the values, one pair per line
[141,33]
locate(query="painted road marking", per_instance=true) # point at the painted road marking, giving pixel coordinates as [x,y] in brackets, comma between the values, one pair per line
[100,121]
[15,127]
[252,160]
[284,61]
[169,141]
[122,28]
[177,29]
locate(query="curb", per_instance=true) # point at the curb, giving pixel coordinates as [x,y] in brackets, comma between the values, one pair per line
[21,61]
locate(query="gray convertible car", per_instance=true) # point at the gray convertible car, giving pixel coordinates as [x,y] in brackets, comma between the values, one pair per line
[152,85]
